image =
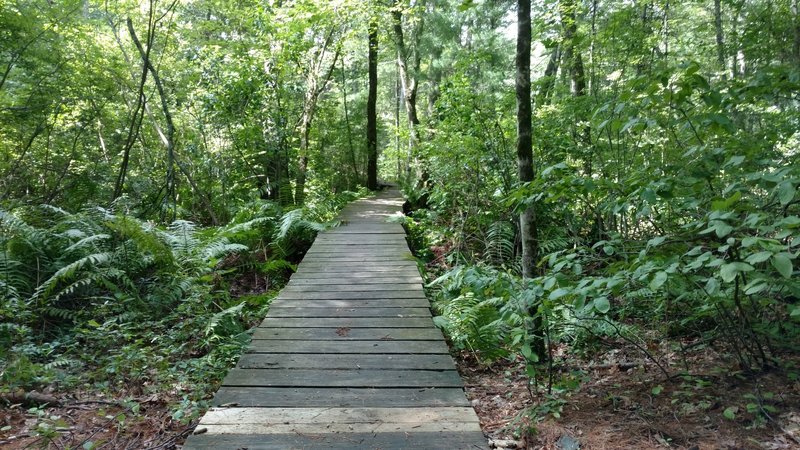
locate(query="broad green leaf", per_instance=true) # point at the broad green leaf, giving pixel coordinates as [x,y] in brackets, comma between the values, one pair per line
[712,286]
[602,305]
[759,257]
[786,192]
[558,293]
[723,229]
[783,264]
[728,272]
[749,241]
[658,280]
[730,412]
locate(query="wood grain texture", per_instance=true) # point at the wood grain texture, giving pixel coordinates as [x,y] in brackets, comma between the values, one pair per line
[346,347]
[365,378]
[346,361]
[338,397]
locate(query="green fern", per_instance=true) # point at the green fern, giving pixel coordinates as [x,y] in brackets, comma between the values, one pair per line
[69,271]
[500,242]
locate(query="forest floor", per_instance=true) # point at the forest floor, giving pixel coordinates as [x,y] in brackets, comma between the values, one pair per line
[617,404]
[618,401]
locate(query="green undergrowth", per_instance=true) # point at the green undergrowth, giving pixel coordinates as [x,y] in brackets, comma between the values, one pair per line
[100,301]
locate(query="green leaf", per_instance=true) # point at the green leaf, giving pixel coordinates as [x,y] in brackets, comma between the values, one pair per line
[730,412]
[729,271]
[759,257]
[602,305]
[558,293]
[712,286]
[526,351]
[795,312]
[658,280]
[657,390]
[749,241]
[783,264]
[786,192]
[722,229]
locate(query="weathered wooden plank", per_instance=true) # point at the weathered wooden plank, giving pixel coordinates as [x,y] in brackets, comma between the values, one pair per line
[357,303]
[345,361]
[348,268]
[392,259]
[309,274]
[277,311]
[348,334]
[342,378]
[350,322]
[360,281]
[341,397]
[365,229]
[333,427]
[341,441]
[355,244]
[328,295]
[357,266]
[325,416]
[361,241]
[343,347]
[354,287]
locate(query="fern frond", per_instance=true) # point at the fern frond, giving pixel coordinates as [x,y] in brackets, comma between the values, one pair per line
[215,320]
[86,241]
[67,272]
[500,240]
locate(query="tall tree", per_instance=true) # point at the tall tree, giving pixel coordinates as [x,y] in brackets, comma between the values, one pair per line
[527,219]
[524,139]
[316,81]
[372,110]
[408,75]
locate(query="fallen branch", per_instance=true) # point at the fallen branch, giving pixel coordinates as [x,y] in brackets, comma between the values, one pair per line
[29,398]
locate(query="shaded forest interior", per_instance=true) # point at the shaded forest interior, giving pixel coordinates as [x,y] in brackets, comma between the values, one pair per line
[602,197]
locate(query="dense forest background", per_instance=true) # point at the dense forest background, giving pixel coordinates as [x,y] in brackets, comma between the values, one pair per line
[163,164]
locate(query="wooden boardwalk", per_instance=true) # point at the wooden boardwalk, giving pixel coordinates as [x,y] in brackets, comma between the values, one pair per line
[348,356]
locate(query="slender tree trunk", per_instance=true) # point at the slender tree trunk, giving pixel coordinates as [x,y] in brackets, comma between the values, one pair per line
[372,112]
[527,220]
[572,57]
[549,81]
[796,20]
[719,33]
[316,84]
[351,147]
[408,78]
[524,139]
[170,136]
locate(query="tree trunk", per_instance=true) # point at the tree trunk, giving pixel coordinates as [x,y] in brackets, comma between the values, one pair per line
[572,57]
[408,78]
[719,33]
[527,220]
[170,136]
[314,88]
[549,80]
[351,147]
[372,112]
[796,20]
